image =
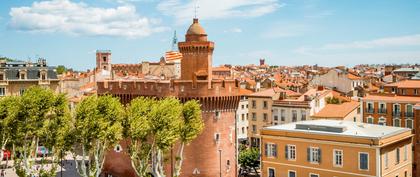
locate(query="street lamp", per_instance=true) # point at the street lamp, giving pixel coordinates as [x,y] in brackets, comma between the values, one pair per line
[220,161]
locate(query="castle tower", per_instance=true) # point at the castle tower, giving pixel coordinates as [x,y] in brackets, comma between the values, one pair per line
[197,54]
[103,60]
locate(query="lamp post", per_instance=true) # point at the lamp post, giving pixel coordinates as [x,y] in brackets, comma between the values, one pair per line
[220,162]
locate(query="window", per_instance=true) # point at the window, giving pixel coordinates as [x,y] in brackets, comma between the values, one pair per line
[254,128]
[254,116]
[290,152]
[2,91]
[292,174]
[276,118]
[270,150]
[282,115]
[303,113]
[405,173]
[382,121]
[271,172]
[217,137]
[416,92]
[294,116]
[397,122]
[118,148]
[363,161]
[104,58]
[369,107]
[397,155]
[393,89]
[382,108]
[265,117]
[243,117]
[405,152]
[313,175]
[243,130]
[409,111]
[1,77]
[386,160]
[242,106]
[409,123]
[265,106]
[43,76]
[21,91]
[338,158]
[22,76]
[370,120]
[254,104]
[403,91]
[217,114]
[314,155]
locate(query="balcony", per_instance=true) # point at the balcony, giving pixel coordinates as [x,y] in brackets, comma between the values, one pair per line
[370,111]
[409,114]
[396,113]
[382,111]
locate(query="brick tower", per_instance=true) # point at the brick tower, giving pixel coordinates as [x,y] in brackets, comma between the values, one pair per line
[213,152]
[103,60]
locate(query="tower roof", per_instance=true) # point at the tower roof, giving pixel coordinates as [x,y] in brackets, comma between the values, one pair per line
[196,28]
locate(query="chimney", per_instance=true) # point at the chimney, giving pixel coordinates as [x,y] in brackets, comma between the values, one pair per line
[320,88]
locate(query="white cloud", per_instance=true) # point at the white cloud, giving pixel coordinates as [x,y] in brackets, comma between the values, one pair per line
[234,30]
[183,10]
[80,19]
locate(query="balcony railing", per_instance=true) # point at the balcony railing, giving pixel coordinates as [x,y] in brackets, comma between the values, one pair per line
[396,113]
[409,114]
[371,111]
[382,111]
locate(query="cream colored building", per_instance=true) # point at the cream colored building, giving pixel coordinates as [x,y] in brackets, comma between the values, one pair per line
[331,148]
[16,77]
[341,80]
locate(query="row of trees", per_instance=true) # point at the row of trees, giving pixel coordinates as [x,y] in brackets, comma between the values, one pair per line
[41,117]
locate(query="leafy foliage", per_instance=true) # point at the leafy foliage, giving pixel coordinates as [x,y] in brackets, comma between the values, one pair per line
[249,159]
[61,69]
[155,126]
[333,100]
[98,126]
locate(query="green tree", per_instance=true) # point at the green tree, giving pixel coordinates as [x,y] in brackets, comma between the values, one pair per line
[155,126]
[191,126]
[61,69]
[98,126]
[9,110]
[333,100]
[249,159]
[43,119]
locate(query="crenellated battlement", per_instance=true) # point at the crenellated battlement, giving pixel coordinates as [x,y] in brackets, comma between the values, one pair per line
[221,95]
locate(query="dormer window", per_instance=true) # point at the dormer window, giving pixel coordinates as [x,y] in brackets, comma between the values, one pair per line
[22,76]
[43,76]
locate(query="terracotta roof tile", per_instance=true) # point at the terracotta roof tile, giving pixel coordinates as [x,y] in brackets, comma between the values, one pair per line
[337,110]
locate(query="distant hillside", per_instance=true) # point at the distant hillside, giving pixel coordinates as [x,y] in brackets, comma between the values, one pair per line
[7,59]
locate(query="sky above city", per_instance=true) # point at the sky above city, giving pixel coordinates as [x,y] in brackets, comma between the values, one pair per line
[289,32]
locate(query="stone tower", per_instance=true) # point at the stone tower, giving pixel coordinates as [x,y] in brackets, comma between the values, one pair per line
[197,54]
[103,60]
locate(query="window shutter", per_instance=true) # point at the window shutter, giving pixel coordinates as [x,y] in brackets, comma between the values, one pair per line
[286,152]
[308,154]
[275,150]
[266,149]
[319,156]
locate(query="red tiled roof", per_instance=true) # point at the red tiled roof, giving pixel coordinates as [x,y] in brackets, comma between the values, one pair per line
[173,55]
[337,110]
[405,84]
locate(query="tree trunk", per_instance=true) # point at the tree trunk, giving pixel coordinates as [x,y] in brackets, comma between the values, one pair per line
[179,162]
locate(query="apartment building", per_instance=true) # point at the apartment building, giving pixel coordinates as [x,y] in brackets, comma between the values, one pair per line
[331,148]
[339,79]
[242,120]
[395,107]
[293,110]
[16,77]
[259,110]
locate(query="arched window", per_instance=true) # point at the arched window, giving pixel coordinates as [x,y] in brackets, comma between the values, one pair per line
[397,122]
[409,123]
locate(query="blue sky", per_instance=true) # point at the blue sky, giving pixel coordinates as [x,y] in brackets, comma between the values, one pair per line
[288,32]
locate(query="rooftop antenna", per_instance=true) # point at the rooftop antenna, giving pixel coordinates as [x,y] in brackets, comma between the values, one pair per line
[196,9]
[174,42]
